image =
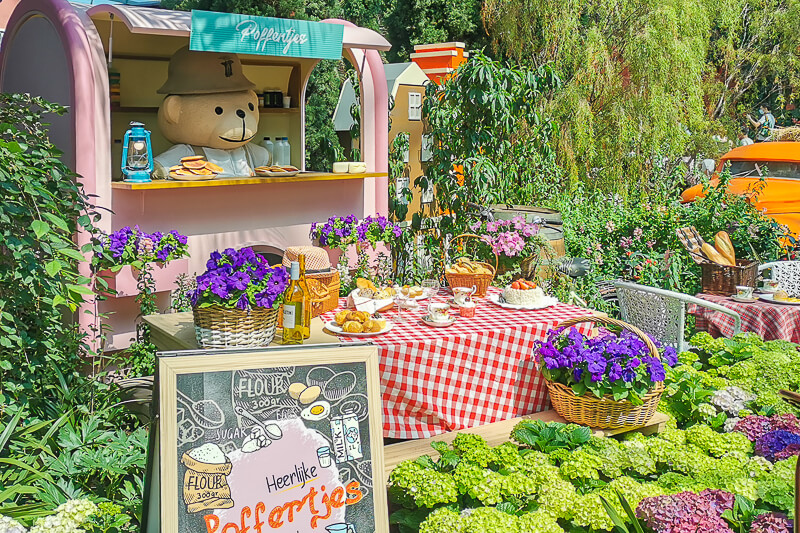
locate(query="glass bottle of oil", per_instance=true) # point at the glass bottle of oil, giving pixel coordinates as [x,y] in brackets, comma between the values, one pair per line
[293,304]
[306,297]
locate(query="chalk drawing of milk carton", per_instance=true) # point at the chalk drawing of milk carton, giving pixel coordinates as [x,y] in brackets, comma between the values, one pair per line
[346,438]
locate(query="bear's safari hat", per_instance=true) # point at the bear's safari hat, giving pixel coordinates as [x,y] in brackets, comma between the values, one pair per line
[204,73]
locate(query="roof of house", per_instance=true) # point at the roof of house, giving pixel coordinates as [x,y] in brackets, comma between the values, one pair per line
[397,74]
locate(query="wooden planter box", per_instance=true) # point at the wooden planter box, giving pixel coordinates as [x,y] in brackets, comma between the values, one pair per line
[123,282]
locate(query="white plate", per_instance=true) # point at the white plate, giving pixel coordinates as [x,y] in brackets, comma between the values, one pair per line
[434,324]
[270,174]
[743,300]
[498,300]
[337,329]
[771,299]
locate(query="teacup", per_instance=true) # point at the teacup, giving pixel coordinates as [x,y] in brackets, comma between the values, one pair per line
[439,312]
[744,292]
[462,295]
[770,285]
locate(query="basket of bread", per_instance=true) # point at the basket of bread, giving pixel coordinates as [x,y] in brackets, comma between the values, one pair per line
[358,323]
[722,272]
[194,168]
[370,298]
[465,272]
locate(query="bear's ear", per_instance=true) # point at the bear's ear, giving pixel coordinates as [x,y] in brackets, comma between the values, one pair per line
[172,108]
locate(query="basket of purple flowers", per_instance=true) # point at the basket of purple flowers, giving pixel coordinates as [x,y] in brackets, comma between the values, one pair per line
[609,381]
[237,299]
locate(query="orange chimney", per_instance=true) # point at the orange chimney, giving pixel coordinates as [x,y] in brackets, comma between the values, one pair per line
[439,61]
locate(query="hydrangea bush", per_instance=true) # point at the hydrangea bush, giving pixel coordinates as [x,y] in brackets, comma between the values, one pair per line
[240,279]
[608,364]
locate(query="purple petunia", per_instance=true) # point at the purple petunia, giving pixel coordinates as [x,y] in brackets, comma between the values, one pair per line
[240,279]
[603,362]
[128,245]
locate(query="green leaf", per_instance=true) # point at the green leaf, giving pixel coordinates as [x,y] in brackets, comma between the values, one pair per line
[72,253]
[80,289]
[40,228]
[53,267]
[619,523]
[58,222]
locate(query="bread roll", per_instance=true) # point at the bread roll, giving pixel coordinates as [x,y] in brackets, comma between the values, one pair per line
[723,244]
[713,255]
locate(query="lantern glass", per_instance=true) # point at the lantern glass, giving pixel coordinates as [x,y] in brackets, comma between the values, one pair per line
[137,155]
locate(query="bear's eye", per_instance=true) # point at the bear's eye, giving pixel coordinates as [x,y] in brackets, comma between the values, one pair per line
[250,105]
[218,110]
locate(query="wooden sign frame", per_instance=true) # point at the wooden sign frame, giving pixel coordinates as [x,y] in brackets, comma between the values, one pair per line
[174,364]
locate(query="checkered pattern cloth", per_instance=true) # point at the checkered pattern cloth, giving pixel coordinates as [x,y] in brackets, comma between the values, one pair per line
[477,371]
[771,321]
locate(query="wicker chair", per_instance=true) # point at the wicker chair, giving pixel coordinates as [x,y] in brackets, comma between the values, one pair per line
[787,273]
[662,313]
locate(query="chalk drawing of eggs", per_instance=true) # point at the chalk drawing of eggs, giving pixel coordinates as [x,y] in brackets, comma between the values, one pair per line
[316,411]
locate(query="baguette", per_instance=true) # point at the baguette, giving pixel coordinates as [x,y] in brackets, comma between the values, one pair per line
[713,255]
[723,244]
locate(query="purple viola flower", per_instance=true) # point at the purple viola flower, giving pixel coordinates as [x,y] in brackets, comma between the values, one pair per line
[615,372]
[670,356]
[163,254]
[577,373]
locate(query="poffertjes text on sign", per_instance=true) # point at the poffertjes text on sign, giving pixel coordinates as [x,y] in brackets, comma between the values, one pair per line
[280,440]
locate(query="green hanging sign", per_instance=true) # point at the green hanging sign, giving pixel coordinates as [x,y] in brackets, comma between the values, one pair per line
[245,34]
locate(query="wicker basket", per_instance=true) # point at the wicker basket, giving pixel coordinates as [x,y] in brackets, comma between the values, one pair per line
[322,280]
[219,327]
[722,280]
[605,412]
[480,281]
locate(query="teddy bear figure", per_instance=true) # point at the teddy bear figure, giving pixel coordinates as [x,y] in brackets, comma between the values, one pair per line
[211,110]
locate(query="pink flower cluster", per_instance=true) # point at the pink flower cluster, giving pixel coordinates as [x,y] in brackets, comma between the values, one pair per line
[506,237]
[756,426]
[687,512]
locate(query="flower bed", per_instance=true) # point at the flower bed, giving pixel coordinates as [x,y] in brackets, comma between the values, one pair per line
[725,463]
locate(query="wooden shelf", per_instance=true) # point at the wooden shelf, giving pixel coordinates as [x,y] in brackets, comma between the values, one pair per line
[261,110]
[224,182]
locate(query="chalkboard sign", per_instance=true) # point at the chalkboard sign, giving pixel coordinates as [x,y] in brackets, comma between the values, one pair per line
[284,440]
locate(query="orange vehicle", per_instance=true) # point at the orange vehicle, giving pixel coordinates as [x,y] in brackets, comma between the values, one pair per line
[779,164]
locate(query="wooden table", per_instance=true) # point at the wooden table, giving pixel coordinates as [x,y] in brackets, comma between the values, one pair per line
[175,331]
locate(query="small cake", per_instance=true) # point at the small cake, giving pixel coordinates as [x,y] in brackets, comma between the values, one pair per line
[523,292]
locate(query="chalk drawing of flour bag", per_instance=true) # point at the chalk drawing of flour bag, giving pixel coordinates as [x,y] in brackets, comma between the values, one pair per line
[346,438]
[205,483]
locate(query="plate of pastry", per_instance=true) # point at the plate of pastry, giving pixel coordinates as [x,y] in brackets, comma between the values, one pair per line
[779,297]
[358,324]
[370,298]
[277,171]
[524,295]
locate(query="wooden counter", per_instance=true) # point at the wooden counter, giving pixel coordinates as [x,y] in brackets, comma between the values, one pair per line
[175,331]
[225,182]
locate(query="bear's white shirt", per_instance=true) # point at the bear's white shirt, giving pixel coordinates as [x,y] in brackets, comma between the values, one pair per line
[234,162]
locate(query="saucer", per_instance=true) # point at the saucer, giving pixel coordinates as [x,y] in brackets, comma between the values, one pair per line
[453,303]
[427,321]
[743,300]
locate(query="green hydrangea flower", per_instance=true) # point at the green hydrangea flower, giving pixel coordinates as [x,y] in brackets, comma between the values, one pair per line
[538,522]
[425,487]
[581,465]
[442,520]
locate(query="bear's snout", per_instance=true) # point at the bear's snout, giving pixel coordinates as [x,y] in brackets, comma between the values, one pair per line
[240,113]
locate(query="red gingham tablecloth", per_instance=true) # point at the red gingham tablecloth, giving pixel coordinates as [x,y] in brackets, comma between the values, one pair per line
[771,321]
[477,371]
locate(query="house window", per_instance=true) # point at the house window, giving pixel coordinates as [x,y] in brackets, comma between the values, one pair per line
[425,151]
[427,192]
[414,106]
